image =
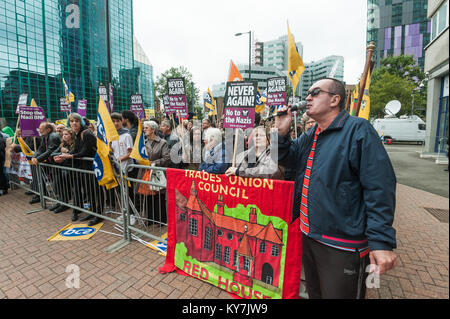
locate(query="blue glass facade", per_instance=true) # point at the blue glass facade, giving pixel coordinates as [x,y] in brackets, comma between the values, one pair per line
[42,42]
[398,28]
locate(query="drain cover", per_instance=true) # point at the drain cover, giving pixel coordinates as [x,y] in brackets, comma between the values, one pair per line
[440,214]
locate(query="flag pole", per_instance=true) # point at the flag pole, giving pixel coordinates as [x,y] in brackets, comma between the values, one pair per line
[362,83]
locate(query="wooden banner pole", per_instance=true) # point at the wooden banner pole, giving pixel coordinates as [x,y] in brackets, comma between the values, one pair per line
[362,83]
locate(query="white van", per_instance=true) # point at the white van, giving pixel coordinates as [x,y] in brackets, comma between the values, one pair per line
[405,128]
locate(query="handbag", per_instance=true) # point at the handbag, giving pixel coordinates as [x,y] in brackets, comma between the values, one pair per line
[154,177]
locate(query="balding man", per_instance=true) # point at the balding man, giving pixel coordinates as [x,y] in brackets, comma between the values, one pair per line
[344,195]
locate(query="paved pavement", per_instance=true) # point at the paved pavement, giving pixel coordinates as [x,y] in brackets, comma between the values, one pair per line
[421,173]
[32,267]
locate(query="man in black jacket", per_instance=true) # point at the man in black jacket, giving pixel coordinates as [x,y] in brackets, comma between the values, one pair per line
[49,143]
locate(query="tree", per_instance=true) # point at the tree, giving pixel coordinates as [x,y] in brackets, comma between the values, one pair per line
[180,72]
[398,78]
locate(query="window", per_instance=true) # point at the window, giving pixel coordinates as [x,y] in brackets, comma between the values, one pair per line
[208,238]
[422,127]
[235,258]
[262,247]
[183,217]
[219,252]
[219,233]
[439,21]
[229,236]
[275,251]
[226,255]
[245,263]
[193,227]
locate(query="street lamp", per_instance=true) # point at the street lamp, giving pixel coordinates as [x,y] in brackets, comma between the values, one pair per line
[418,88]
[249,51]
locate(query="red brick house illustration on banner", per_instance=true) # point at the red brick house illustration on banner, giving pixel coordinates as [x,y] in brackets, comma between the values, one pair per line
[249,250]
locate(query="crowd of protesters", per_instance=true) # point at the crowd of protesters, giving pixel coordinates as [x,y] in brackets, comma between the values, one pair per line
[191,144]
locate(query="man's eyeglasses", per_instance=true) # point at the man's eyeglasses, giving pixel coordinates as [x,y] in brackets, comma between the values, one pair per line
[317,91]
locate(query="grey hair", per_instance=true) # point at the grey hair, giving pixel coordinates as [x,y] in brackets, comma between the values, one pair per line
[213,135]
[152,124]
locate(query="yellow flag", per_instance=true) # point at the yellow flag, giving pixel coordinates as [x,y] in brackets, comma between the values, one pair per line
[33,103]
[106,133]
[354,99]
[25,149]
[139,151]
[364,110]
[295,63]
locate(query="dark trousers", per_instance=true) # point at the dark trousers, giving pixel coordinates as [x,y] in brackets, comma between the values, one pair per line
[332,273]
[87,190]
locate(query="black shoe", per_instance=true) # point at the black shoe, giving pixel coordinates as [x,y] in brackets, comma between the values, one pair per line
[54,207]
[29,193]
[35,200]
[75,216]
[95,221]
[87,217]
[60,209]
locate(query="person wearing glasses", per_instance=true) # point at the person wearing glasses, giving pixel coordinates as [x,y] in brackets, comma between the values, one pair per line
[344,195]
[307,122]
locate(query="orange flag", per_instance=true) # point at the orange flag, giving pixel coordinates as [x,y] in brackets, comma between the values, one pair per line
[234,74]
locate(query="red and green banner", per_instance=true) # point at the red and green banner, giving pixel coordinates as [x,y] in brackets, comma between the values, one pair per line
[235,233]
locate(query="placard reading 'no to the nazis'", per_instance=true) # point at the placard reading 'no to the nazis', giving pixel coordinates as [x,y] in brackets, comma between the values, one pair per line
[137,106]
[276,91]
[240,99]
[177,94]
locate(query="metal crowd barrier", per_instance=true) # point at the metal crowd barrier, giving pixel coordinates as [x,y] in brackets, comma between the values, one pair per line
[78,189]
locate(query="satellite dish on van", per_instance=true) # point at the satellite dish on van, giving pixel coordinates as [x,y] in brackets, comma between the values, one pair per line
[392,107]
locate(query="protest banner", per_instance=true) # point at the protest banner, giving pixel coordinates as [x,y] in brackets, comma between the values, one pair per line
[177,95]
[64,105]
[234,233]
[240,100]
[81,108]
[276,91]
[30,119]
[137,105]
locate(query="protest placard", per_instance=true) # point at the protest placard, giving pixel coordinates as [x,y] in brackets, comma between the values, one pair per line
[30,119]
[240,99]
[22,101]
[103,93]
[81,109]
[177,95]
[64,106]
[276,91]
[137,106]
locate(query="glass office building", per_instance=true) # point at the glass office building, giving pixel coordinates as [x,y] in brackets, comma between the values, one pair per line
[329,67]
[86,42]
[146,86]
[398,27]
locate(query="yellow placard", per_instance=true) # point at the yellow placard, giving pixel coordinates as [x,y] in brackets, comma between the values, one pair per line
[76,232]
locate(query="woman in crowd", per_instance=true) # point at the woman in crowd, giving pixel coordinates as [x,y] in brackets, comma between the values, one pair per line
[214,158]
[64,182]
[85,145]
[192,155]
[158,155]
[257,160]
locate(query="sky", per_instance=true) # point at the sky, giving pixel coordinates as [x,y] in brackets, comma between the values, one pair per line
[199,34]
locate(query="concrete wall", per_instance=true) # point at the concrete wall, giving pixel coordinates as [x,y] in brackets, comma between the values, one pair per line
[436,53]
